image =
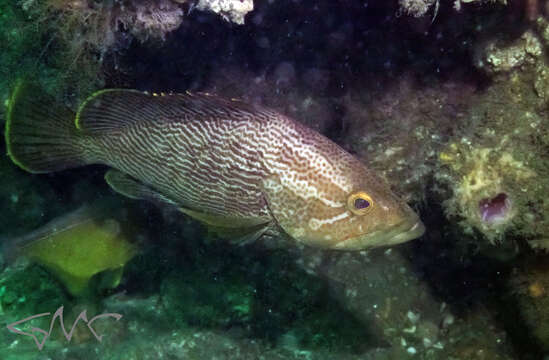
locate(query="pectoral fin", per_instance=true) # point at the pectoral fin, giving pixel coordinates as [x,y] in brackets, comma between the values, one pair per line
[126,185]
[252,236]
[239,230]
[224,222]
[244,236]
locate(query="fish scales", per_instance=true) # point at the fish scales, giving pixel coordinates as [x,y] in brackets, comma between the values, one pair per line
[224,162]
[196,142]
[176,156]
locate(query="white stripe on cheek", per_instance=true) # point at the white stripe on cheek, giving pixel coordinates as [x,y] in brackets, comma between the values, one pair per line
[315,224]
[331,203]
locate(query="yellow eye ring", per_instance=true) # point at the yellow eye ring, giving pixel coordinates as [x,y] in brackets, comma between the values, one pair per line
[360,203]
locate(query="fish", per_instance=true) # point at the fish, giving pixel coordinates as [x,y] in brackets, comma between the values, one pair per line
[225,162]
[76,247]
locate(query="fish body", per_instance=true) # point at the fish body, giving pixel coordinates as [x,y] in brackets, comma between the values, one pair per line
[224,162]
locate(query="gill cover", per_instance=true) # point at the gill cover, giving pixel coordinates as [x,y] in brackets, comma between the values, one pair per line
[303,218]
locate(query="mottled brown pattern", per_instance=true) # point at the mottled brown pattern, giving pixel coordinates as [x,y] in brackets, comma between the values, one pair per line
[237,165]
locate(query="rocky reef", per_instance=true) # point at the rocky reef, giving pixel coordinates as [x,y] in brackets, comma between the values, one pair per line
[446,101]
[77,44]
[496,167]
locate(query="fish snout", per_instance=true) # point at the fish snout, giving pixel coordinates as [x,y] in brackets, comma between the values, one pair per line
[408,230]
[404,225]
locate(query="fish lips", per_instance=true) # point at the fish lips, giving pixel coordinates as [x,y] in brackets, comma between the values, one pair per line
[397,234]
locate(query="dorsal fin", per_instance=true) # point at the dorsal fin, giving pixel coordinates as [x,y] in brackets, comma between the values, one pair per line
[113,109]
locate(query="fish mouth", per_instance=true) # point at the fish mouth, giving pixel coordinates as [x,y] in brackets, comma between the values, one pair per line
[413,232]
[397,234]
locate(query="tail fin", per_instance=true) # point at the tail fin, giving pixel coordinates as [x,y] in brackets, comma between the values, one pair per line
[40,133]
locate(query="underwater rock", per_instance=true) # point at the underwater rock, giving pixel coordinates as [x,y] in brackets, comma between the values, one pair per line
[486,187]
[27,290]
[148,343]
[188,299]
[29,49]
[230,10]
[542,28]
[419,8]
[151,20]
[24,200]
[541,82]
[75,39]
[416,8]
[529,287]
[385,292]
[493,58]
[399,129]
[100,25]
[495,167]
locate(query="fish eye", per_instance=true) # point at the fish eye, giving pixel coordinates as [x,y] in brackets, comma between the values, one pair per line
[360,203]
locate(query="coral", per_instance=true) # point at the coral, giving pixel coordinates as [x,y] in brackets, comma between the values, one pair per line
[230,10]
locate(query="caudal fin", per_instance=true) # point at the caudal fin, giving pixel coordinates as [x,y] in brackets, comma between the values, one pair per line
[40,133]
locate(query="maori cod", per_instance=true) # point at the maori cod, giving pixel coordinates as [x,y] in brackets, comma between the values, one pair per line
[226,163]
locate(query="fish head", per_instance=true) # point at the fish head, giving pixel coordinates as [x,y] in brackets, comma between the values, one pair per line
[371,216]
[340,204]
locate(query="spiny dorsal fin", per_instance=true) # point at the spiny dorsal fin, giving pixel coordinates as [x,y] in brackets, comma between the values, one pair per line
[113,109]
